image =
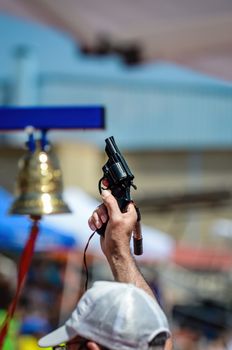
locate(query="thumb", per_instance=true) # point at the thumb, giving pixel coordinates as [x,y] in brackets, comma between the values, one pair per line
[131,209]
[110,203]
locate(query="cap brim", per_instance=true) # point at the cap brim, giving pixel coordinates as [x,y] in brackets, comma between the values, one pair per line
[59,336]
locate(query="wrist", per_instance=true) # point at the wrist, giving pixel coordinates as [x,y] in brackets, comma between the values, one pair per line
[120,253]
[121,262]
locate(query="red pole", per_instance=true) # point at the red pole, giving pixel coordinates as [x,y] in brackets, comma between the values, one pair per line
[24,265]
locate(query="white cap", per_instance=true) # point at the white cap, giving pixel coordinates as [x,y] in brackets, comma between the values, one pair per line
[116,315]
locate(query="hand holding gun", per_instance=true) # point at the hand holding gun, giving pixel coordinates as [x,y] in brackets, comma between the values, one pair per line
[118,178]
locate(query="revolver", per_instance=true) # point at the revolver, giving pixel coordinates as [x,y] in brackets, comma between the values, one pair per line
[119,179]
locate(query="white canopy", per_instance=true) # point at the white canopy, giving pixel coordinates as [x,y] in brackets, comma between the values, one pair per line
[157,245]
[222,228]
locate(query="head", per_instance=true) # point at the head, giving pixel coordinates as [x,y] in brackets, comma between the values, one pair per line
[112,316]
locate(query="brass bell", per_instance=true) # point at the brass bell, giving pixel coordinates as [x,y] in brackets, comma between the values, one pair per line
[39,185]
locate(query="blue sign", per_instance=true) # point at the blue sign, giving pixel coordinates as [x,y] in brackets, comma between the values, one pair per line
[45,118]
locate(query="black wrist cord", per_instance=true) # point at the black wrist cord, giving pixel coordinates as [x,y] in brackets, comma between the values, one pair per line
[85,266]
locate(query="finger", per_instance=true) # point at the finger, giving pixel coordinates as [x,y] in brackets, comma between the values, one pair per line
[96,219]
[102,213]
[111,204]
[91,224]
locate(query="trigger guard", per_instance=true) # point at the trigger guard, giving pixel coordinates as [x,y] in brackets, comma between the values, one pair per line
[105,182]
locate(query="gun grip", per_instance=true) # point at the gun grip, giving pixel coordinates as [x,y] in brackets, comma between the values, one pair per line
[122,203]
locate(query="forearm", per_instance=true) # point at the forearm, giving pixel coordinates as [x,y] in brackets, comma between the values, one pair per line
[115,243]
[125,269]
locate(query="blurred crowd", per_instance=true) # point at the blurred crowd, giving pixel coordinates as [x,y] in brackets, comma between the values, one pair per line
[49,296]
[38,310]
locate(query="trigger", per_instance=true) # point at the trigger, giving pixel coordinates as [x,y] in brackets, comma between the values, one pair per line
[105,183]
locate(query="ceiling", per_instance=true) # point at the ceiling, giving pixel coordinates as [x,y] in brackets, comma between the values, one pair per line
[193,33]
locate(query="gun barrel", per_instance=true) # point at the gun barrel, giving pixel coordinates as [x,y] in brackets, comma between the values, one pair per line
[111,147]
[112,151]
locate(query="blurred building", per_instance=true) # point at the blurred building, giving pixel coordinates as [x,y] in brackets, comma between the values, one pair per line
[173,125]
